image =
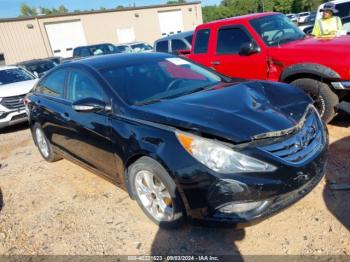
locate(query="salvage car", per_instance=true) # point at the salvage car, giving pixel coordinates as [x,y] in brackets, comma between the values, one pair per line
[15,83]
[183,141]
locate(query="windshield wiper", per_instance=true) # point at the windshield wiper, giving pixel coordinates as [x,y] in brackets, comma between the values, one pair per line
[202,88]
[148,102]
[288,39]
[152,101]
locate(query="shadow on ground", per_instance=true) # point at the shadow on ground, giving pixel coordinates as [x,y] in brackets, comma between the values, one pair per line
[338,173]
[15,128]
[1,200]
[193,240]
[341,120]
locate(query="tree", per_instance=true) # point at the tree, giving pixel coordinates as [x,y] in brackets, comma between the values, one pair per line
[26,10]
[62,9]
[176,2]
[283,6]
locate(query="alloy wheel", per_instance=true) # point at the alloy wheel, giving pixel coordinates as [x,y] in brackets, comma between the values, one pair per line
[41,141]
[154,196]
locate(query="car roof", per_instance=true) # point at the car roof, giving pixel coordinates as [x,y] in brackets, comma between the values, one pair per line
[7,67]
[87,46]
[100,62]
[34,61]
[176,36]
[236,19]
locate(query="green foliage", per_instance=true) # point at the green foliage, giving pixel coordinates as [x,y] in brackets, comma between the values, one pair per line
[229,8]
[176,2]
[27,10]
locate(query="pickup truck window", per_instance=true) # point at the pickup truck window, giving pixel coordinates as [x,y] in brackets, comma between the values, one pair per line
[230,40]
[162,46]
[202,41]
[276,29]
[177,44]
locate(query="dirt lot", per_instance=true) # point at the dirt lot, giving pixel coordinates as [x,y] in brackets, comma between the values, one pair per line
[62,209]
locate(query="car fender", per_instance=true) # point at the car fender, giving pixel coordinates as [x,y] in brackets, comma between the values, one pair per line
[318,70]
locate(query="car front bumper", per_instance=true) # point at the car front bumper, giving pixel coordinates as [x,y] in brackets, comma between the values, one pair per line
[10,118]
[214,198]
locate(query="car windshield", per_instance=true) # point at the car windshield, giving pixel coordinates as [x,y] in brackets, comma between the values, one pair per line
[124,49]
[141,47]
[41,67]
[14,75]
[98,50]
[276,29]
[158,79]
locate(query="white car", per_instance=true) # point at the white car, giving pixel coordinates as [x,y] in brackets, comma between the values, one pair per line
[15,83]
[135,47]
[292,17]
[302,16]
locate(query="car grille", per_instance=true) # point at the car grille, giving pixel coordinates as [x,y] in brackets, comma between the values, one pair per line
[13,102]
[301,145]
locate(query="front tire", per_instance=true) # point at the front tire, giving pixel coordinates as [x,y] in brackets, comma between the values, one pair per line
[325,100]
[44,144]
[155,192]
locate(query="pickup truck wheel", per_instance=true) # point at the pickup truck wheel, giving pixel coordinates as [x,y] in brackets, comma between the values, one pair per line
[43,144]
[155,192]
[325,100]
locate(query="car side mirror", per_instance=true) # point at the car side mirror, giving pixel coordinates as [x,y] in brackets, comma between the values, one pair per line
[89,105]
[36,74]
[249,49]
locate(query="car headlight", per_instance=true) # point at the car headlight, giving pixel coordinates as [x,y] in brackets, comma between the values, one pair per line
[219,157]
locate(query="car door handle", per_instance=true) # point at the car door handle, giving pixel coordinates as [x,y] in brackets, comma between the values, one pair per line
[65,116]
[215,63]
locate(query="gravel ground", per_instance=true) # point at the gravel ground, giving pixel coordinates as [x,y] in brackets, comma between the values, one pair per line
[62,209]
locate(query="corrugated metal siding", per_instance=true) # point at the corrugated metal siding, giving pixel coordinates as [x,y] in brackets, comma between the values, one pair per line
[19,43]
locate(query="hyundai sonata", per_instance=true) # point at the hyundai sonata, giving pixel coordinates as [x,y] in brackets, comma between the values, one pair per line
[182,140]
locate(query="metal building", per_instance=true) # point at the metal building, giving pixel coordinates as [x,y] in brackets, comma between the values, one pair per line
[45,36]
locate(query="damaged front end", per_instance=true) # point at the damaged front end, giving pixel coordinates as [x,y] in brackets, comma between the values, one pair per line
[299,155]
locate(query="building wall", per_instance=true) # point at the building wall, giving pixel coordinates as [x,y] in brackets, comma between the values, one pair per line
[19,43]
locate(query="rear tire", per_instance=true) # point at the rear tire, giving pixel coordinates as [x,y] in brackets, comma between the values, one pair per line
[43,144]
[156,193]
[325,100]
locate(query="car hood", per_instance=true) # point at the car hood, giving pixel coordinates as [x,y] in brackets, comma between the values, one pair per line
[331,44]
[15,89]
[236,112]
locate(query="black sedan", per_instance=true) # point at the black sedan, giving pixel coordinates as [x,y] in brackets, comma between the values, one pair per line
[183,141]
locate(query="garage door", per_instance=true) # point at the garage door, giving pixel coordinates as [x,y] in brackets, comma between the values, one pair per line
[170,22]
[64,37]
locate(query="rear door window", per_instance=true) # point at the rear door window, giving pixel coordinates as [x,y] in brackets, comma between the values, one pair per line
[230,40]
[53,85]
[162,46]
[81,85]
[202,41]
[189,39]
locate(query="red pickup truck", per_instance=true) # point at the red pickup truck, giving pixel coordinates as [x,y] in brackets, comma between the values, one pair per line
[269,46]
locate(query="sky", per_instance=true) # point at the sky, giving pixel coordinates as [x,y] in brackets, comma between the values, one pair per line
[10,8]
